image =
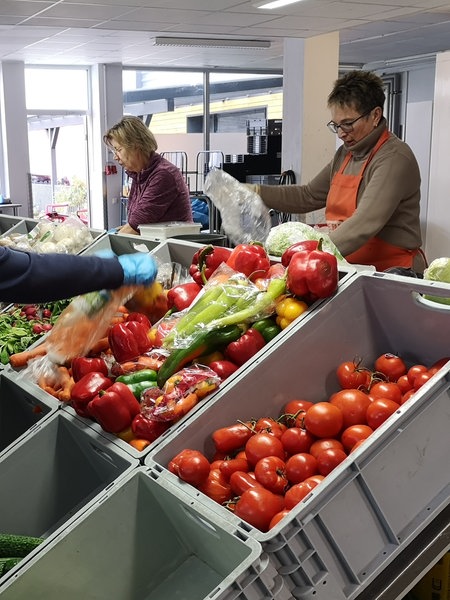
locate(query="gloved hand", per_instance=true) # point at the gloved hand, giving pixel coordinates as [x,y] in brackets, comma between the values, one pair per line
[113,230]
[105,253]
[138,268]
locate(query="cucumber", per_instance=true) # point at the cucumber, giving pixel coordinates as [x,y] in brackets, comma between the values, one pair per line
[6,564]
[17,545]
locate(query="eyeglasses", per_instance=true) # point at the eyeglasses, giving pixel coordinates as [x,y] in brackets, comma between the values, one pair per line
[116,151]
[347,126]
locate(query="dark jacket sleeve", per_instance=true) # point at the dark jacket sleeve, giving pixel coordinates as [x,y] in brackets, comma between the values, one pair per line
[26,277]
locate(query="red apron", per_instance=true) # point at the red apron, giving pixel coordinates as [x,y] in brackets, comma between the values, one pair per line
[341,204]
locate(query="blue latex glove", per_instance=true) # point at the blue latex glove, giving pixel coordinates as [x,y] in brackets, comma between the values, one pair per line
[138,268]
[113,230]
[105,253]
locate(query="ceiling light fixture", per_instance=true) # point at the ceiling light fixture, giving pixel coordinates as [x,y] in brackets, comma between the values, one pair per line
[275,3]
[211,43]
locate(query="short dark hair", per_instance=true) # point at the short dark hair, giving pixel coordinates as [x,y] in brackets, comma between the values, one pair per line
[362,90]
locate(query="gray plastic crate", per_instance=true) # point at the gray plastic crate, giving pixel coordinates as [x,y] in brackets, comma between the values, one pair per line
[181,252]
[7,222]
[120,244]
[20,410]
[144,540]
[354,524]
[54,473]
[23,226]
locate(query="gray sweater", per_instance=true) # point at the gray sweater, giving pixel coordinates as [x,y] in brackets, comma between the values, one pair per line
[388,203]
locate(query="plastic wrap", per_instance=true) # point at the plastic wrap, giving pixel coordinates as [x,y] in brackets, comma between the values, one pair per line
[228,298]
[63,237]
[284,235]
[245,218]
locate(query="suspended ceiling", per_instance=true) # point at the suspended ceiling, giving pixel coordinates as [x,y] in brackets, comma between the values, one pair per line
[85,32]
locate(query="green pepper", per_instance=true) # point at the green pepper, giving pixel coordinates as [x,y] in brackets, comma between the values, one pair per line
[204,343]
[138,376]
[267,328]
[140,386]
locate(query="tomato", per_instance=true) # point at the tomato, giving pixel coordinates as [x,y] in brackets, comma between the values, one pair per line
[315,478]
[386,389]
[329,459]
[297,493]
[190,466]
[379,410]
[241,482]
[390,365]
[404,384]
[233,464]
[408,395]
[271,426]
[216,487]
[271,473]
[261,445]
[294,409]
[421,379]
[440,363]
[324,444]
[353,434]
[277,518]
[415,370]
[357,445]
[351,376]
[258,506]
[300,466]
[231,438]
[324,420]
[296,439]
[353,404]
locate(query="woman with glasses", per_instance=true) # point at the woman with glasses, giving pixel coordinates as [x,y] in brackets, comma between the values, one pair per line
[158,191]
[371,188]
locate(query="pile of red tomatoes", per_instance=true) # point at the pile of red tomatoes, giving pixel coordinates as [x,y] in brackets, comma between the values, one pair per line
[262,468]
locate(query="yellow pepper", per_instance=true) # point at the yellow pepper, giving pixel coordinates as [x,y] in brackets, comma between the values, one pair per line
[288,309]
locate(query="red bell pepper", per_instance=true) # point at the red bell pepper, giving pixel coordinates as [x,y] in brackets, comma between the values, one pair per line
[140,318]
[181,296]
[245,347]
[86,389]
[128,340]
[82,365]
[250,259]
[297,247]
[146,428]
[223,368]
[312,274]
[206,260]
[115,408]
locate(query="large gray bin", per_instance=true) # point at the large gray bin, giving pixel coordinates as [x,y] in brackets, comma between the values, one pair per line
[52,474]
[20,410]
[355,523]
[144,540]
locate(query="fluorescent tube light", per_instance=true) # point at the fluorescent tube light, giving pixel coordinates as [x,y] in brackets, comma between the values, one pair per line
[275,3]
[210,43]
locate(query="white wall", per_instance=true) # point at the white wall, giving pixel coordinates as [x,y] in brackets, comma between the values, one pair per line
[438,213]
[418,125]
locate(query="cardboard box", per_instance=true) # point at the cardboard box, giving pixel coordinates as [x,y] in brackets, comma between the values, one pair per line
[435,585]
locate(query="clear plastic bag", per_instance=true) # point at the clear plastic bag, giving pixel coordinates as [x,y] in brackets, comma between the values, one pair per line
[83,323]
[245,217]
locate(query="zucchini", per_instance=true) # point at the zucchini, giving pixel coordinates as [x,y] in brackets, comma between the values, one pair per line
[17,545]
